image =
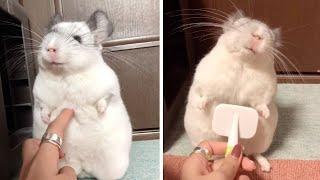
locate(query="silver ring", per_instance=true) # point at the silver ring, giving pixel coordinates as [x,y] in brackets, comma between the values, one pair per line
[204,151]
[52,138]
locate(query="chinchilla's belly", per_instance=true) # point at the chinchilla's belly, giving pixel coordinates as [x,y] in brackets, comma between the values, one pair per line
[48,94]
[262,140]
[85,133]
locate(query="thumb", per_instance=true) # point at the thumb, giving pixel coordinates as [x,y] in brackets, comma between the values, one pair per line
[230,165]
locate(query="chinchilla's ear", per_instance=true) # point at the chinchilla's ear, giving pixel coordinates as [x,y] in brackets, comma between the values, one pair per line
[57,18]
[100,25]
[277,37]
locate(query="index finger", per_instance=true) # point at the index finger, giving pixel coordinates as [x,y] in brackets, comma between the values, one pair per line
[61,122]
[215,148]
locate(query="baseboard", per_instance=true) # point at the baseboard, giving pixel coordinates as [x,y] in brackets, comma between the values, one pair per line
[296,79]
[145,135]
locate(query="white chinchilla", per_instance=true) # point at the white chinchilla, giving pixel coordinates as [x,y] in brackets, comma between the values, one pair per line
[238,70]
[72,72]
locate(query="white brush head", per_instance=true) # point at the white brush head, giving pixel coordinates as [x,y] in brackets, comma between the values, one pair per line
[223,119]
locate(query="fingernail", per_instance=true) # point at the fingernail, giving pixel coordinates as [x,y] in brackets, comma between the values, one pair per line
[253,164]
[236,151]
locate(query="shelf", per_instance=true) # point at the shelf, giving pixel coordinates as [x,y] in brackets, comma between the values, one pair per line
[19,79]
[19,105]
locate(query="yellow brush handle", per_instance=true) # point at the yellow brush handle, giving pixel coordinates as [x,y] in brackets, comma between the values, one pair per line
[228,151]
[233,136]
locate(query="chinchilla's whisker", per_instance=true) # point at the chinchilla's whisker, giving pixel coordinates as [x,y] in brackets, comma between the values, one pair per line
[126,60]
[13,63]
[19,26]
[299,27]
[7,37]
[290,62]
[234,5]
[209,37]
[214,33]
[200,18]
[282,61]
[289,43]
[209,11]
[203,24]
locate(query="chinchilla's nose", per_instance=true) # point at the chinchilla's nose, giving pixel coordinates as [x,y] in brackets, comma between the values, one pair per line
[51,50]
[52,53]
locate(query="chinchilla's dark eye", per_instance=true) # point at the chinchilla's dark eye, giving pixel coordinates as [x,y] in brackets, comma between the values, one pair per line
[77,38]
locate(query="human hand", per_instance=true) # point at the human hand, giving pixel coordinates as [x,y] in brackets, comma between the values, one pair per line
[59,125]
[33,159]
[198,167]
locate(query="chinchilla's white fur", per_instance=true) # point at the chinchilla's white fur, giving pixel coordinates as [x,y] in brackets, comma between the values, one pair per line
[238,70]
[98,139]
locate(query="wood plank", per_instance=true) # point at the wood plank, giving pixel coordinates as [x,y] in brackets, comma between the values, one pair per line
[138,72]
[39,13]
[299,21]
[133,18]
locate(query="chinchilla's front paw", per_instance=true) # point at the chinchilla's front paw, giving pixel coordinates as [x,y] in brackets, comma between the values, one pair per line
[68,105]
[55,113]
[64,105]
[201,103]
[263,162]
[101,106]
[45,116]
[263,111]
